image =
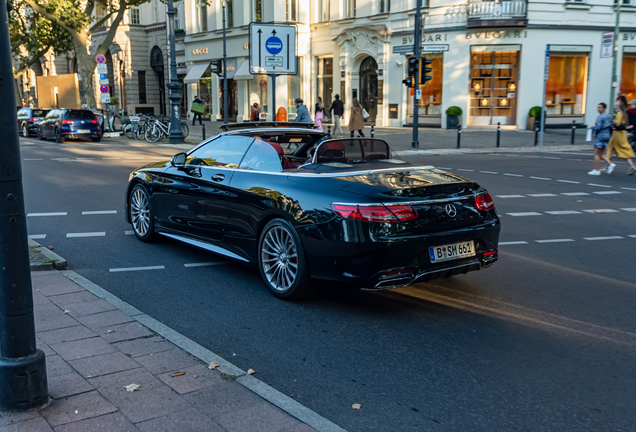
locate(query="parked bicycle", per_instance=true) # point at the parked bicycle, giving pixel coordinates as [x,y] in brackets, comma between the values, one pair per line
[157,130]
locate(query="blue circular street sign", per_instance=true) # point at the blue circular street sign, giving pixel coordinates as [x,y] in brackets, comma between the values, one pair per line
[273,45]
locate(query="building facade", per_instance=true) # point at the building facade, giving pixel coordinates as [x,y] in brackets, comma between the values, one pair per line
[489,59]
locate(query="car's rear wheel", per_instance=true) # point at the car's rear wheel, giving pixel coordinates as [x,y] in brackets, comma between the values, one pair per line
[25,131]
[40,136]
[141,214]
[97,138]
[282,262]
[58,136]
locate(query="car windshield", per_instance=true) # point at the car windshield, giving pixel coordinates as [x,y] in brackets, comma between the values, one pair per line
[38,113]
[352,151]
[80,115]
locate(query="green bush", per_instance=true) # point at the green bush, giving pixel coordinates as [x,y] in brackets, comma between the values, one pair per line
[114,100]
[535,111]
[454,111]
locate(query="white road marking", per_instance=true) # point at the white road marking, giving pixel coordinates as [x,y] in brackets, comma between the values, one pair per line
[123,269]
[607,192]
[47,214]
[534,157]
[574,193]
[598,185]
[633,209]
[554,240]
[99,212]
[111,158]
[86,234]
[569,181]
[563,212]
[130,232]
[626,188]
[601,211]
[632,236]
[509,196]
[135,158]
[488,172]
[549,157]
[542,195]
[513,175]
[205,264]
[31,159]
[512,243]
[603,238]
[525,214]
[467,170]
[539,178]
[442,168]
[61,159]
[37,236]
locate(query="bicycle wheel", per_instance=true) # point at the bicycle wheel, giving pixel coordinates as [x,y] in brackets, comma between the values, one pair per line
[128,130]
[185,130]
[140,133]
[153,134]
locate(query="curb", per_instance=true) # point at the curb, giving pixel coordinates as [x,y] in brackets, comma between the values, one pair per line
[53,262]
[436,152]
[265,391]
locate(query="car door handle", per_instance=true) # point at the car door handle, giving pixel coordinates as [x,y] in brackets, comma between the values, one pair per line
[218,177]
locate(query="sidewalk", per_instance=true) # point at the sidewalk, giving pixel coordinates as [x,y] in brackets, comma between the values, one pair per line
[109,372]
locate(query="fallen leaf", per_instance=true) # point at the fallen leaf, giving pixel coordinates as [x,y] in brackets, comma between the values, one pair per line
[250,372]
[213,365]
[132,387]
[579,200]
[356,406]
[51,247]
[599,211]
[176,374]
[66,311]
[195,376]
[110,331]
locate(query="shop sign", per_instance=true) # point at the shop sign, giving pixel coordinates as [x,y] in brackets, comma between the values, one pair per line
[504,34]
[607,44]
[433,37]
[199,51]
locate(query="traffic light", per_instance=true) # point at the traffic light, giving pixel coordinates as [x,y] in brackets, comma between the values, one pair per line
[408,82]
[413,66]
[216,67]
[425,70]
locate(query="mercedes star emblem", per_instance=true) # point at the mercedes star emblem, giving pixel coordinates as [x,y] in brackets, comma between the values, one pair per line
[451,210]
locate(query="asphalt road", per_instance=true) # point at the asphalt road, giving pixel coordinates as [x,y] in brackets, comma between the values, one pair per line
[542,341]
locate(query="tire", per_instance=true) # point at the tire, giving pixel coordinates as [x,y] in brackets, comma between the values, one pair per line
[185,130]
[141,214]
[128,130]
[58,136]
[98,138]
[282,262]
[25,131]
[40,136]
[153,134]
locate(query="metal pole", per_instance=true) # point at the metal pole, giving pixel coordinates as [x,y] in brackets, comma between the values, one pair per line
[615,59]
[536,132]
[372,131]
[417,41]
[274,96]
[459,135]
[573,131]
[498,132]
[224,71]
[203,131]
[546,73]
[175,136]
[23,383]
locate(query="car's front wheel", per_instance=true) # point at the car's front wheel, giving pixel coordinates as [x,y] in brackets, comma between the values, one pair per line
[282,262]
[25,131]
[141,214]
[58,136]
[40,136]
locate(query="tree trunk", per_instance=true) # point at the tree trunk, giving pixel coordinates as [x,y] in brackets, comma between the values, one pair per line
[86,70]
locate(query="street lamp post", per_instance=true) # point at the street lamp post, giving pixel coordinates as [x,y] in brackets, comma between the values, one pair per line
[615,55]
[23,383]
[224,71]
[176,135]
[416,79]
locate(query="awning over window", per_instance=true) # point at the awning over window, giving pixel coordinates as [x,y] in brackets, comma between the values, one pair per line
[196,73]
[243,73]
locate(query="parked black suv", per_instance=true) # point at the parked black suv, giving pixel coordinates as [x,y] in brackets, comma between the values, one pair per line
[28,119]
[63,124]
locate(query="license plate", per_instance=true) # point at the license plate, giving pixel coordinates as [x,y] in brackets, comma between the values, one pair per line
[79,131]
[451,251]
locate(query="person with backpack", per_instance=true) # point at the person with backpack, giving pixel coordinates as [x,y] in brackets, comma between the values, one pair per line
[603,131]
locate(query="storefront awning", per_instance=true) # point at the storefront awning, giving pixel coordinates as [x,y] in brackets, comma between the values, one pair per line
[196,73]
[243,73]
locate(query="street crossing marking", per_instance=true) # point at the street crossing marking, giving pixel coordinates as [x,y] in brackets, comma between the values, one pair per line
[554,240]
[513,175]
[525,214]
[509,196]
[603,238]
[32,159]
[463,169]
[99,212]
[512,243]
[129,232]
[626,188]
[47,214]
[601,211]
[598,185]
[607,192]
[569,181]
[488,172]
[86,234]
[542,195]
[37,236]
[574,193]
[205,264]
[564,212]
[633,209]
[539,178]
[124,269]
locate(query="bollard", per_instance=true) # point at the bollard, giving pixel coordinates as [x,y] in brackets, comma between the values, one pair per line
[329,132]
[459,135]
[498,132]
[203,131]
[351,134]
[536,134]
[372,131]
[573,131]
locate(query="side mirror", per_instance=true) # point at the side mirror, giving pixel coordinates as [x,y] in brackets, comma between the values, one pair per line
[178,160]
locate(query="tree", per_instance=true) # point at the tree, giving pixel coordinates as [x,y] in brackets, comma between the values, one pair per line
[75,17]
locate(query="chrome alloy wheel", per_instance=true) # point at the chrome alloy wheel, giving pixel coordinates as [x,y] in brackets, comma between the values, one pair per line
[140,212]
[279,259]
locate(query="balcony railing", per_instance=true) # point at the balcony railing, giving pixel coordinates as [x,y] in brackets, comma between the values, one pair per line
[497,13]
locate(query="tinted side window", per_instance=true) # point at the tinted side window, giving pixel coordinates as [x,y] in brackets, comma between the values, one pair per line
[80,115]
[225,152]
[261,157]
[38,113]
[52,114]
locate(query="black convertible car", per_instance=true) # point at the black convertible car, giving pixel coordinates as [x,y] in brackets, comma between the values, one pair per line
[302,206]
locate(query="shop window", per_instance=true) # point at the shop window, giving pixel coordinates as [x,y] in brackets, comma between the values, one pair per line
[201,11]
[258,93]
[141,81]
[567,85]
[258,10]
[628,76]
[324,80]
[134,16]
[431,101]
[493,87]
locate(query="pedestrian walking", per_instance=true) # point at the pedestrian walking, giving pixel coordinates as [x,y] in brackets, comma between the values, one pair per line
[320,108]
[197,110]
[602,132]
[302,113]
[338,110]
[618,142]
[256,113]
[356,121]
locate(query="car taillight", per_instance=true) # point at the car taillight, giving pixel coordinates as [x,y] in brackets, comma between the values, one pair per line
[67,122]
[94,121]
[34,119]
[379,213]
[484,202]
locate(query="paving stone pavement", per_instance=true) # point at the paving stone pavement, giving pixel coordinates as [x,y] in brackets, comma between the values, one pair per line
[93,350]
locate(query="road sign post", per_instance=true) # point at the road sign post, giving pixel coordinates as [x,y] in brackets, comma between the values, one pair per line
[546,74]
[273,53]
[416,81]
[23,383]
